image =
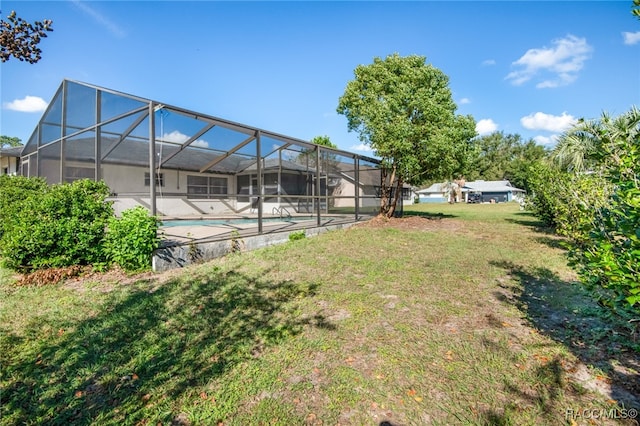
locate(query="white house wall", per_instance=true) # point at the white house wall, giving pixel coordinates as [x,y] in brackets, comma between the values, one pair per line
[127,183]
[8,163]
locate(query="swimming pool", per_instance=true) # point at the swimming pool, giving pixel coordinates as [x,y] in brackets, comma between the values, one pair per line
[231,221]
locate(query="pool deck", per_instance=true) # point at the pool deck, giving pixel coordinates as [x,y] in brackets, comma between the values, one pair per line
[195,233]
[184,245]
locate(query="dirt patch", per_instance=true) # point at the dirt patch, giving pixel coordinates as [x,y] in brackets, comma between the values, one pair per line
[414,223]
[79,277]
[107,281]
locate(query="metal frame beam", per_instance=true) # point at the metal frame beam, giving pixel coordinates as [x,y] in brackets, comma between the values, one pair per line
[191,140]
[128,131]
[227,154]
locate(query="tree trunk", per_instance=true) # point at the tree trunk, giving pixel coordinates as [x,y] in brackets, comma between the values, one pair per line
[385,190]
[394,202]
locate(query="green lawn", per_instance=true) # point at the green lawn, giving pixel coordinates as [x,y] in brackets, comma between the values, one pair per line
[467,314]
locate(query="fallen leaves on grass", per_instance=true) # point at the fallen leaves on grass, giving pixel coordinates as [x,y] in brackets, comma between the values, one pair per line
[50,276]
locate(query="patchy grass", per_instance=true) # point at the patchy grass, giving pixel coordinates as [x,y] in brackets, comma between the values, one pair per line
[455,314]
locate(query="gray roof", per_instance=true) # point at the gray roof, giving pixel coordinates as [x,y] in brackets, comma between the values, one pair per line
[491,186]
[436,188]
[14,151]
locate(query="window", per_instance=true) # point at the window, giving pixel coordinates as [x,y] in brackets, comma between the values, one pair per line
[159,179]
[244,188]
[206,186]
[406,193]
[75,173]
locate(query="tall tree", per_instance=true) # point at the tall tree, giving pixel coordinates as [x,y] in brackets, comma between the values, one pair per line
[402,108]
[9,141]
[527,155]
[494,152]
[576,148]
[324,141]
[20,39]
[500,156]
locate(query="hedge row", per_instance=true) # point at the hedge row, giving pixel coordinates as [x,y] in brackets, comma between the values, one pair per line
[598,208]
[43,226]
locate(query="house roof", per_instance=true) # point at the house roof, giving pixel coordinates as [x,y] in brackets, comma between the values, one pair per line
[491,186]
[14,151]
[436,188]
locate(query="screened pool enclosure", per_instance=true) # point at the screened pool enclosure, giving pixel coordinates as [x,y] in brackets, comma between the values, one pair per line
[182,164]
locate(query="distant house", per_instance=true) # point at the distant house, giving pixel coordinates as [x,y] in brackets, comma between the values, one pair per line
[436,193]
[10,160]
[495,191]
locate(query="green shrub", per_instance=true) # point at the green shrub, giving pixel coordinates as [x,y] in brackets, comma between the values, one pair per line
[13,191]
[598,209]
[546,185]
[131,239]
[612,260]
[297,235]
[60,225]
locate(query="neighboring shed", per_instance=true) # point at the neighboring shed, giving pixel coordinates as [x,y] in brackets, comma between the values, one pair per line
[496,190]
[10,160]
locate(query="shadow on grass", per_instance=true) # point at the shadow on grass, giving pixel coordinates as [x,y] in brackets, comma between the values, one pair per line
[547,395]
[566,313]
[144,349]
[428,215]
[555,242]
[528,219]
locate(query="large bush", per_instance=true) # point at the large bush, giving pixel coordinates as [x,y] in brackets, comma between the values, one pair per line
[593,198]
[60,225]
[612,260]
[14,190]
[131,239]
[546,186]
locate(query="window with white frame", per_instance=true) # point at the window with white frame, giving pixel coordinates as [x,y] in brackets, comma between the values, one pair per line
[206,186]
[159,179]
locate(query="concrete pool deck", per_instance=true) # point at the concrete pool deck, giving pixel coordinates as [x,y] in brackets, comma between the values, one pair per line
[184,245]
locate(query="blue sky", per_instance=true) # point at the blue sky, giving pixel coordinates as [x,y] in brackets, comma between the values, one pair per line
[525,67]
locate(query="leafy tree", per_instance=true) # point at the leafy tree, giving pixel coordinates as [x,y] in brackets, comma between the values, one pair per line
[324,141]
[576,148]
[20,39]
[526,155]
[9,141]
[403,109]
[307,156]
[504,157]
[494,153]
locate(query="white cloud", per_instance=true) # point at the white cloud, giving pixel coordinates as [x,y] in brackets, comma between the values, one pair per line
[362,147]
[548,122]
[178,137]
[489,62]
[200,143]
[546,140]
[556,66]
[465,101]
[101,19]
[27,104]
[631,38]
[486,126]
